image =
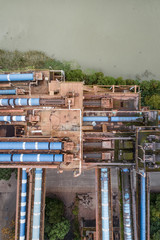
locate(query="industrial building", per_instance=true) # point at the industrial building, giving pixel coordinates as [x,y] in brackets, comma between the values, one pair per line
[46,122]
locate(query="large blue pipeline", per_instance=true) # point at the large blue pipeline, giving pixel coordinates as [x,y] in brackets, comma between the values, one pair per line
[23,205]
[16,77]
[19,102]
[8,92]
[30,145]
[37,204]
[16,158]
[105,204]
[143,209]
[113,119]
[12,118]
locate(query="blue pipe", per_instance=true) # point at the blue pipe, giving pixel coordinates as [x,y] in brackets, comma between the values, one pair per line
[20,102]
[31,145]
[113,119]
[16,77]
[5,157]
[37,204]
[37,157]
[8,92]
[31,157]
[105,204]
[34,101]
[125,119]
[23,205]
[4,102]
[95,119]
[18,118]
[5,118]
[55,145]
[159,117]
[143,209]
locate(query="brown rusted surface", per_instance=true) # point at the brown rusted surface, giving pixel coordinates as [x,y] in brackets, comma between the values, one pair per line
[68,146]
[68,158]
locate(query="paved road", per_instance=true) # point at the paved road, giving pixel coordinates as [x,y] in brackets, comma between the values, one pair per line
[65,182]
[155,182]
[7,200]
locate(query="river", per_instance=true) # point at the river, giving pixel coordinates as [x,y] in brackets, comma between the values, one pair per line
[120,38]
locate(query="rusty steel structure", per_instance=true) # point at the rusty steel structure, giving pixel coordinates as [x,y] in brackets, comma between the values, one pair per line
[46,122]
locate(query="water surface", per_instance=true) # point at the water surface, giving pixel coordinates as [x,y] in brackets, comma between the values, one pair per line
[120,38]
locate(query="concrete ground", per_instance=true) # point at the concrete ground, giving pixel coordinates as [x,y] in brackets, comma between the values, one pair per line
[8,201]
[155,182]
[65,187]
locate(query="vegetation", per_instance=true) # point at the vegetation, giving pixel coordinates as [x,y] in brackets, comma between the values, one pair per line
[12,61]
[75,211]
[8,233]
[154,216]
[56,225]
[5,173]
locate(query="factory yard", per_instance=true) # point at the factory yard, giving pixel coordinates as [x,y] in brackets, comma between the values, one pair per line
[66,187]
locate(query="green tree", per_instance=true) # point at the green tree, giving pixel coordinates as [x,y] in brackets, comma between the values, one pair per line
[56,225]
[59,230]
[153,101]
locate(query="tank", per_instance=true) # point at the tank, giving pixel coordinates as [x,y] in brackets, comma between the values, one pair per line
[55,146]
[8,92]
[16,77]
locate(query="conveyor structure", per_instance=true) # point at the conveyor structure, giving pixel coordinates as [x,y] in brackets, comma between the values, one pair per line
[37,204]
[105,204]
[143,208]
